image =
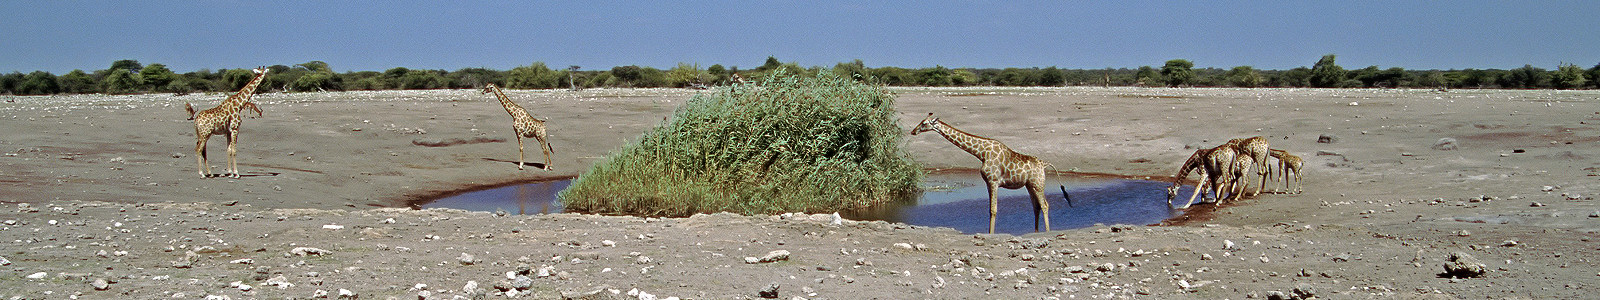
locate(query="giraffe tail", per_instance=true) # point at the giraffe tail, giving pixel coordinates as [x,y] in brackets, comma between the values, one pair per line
[1065,195]
[190,108]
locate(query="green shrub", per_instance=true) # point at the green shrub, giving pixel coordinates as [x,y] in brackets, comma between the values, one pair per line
[784,144]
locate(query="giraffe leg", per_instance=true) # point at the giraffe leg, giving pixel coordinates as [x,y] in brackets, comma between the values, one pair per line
[544,146]
[994,203]
[233,166]
[520,156]
[1041,208]
[1198,188]
[200,156]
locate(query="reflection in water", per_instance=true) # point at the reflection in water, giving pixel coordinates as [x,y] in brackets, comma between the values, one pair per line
[960,200]
[949,199]
[523,199]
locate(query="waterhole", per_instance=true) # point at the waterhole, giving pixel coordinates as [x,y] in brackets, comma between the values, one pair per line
[957,200]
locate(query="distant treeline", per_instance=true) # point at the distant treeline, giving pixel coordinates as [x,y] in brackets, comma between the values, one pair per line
[131,77]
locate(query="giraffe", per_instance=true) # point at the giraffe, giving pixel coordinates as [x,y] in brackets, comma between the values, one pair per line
[1256,147]
[1237,174]
[1002,168]
[1195,163]
[224,119]
[1218,165]
[1288,163]
[524,125]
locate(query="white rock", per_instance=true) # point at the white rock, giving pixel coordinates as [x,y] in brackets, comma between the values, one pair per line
[346,294]
[608,243]
[308,251]
[280,282]
[319,294]
[332,227]
[470,288]
[243,261]
[774,256]
[39,275]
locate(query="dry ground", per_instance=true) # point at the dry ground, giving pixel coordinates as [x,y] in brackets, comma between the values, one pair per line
[112,197]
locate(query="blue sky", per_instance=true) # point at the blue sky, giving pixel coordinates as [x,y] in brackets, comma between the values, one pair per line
[59,36]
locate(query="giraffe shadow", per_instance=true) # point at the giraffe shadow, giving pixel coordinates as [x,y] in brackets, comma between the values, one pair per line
[513,162]
[246,174]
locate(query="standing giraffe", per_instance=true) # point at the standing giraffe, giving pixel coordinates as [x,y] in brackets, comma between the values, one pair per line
[1195,163]
[1257,149]
[224,119]
[1218,165]
[1288,163]
[1002,168]
[1236,177]
[524,125]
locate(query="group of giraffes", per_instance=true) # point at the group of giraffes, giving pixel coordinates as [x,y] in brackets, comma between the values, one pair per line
[1224,168]
[226,117]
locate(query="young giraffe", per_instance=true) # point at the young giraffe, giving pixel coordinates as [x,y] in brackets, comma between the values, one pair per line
[1195,163]
[224,119]
[1256,147]
[1002,168]
[1288,163]
[524,125]
[1236,177]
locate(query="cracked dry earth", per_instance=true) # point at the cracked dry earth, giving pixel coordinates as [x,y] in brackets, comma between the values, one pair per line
[1505,210]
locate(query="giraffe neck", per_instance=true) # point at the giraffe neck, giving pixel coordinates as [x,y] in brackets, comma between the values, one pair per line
[511,107]
[249,89]
[975,145]
[1194,162]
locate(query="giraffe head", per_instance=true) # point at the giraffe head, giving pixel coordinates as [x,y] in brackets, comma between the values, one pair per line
[927,124]
[1172,192]
[260,70]
[489,88]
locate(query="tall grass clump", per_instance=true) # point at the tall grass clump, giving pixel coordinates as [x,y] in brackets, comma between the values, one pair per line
[784,144]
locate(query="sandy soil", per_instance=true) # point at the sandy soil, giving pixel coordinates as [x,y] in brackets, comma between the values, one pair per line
[105,202]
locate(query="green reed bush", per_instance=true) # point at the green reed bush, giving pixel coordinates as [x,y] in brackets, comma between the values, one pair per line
[783,144]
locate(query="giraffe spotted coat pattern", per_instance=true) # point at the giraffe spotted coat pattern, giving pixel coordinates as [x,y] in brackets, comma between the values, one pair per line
[224,119]
[1002,168]
[524,125]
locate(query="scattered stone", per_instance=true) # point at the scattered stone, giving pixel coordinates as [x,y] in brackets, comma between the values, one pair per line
[1445,144]
[1304,291]
[1547,188]
[1277,295]
[280,282]
[1229,245]
[1463,265]
[522,283]
[1343,257]
[100,284]
[1509,243]
[1327,139]
[774,256]
[771,292]
[1205,256]
[347,294]
[319,294]
[608,243]
[332,227]
[242,261]
[905,246]
[309,251]
[1535,204]
[1464,233]
[7,262]
[466,259]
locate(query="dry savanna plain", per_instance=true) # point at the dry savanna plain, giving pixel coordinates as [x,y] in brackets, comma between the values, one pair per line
[1409,194]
